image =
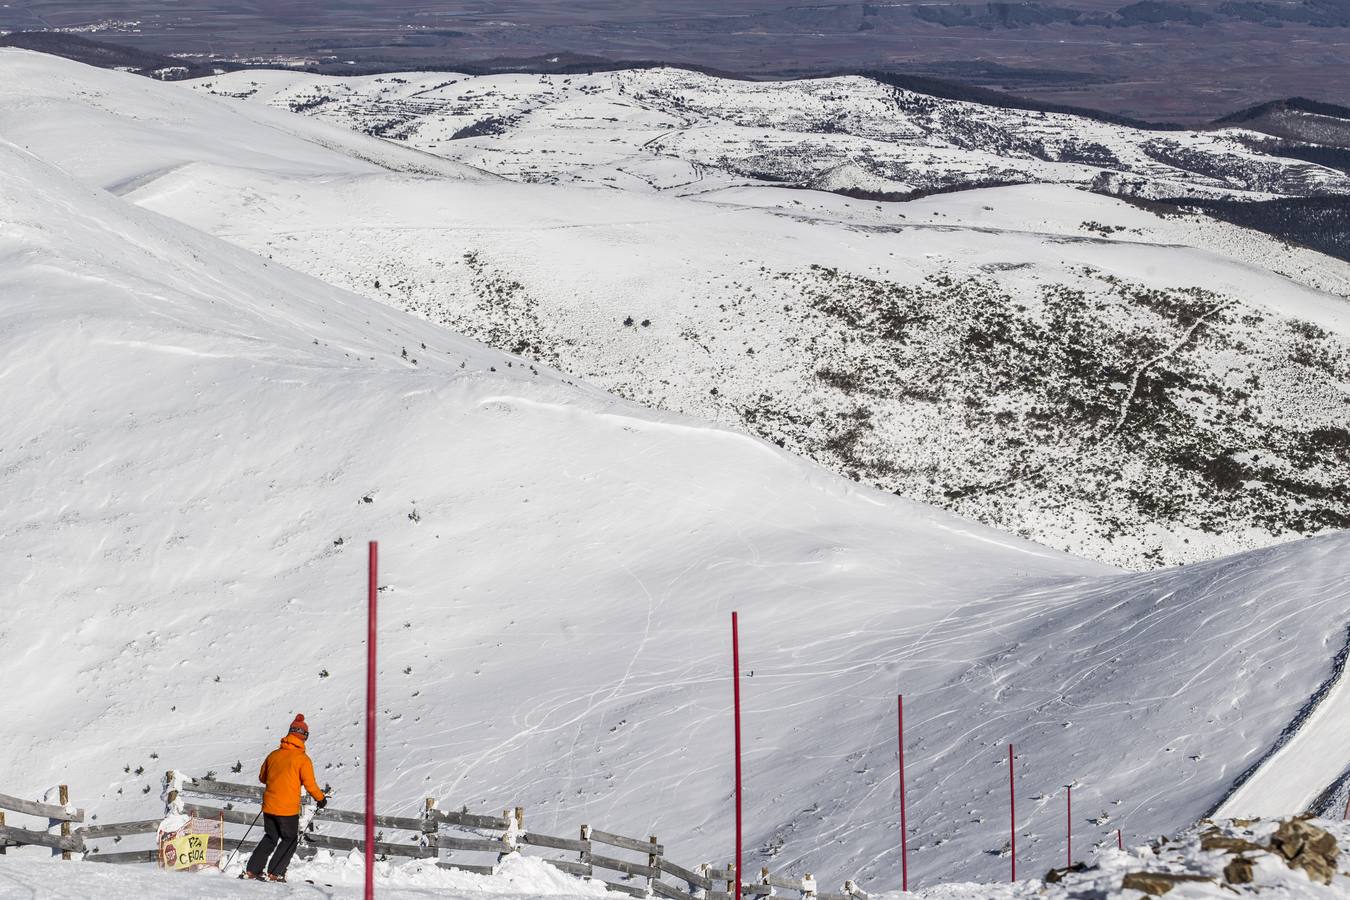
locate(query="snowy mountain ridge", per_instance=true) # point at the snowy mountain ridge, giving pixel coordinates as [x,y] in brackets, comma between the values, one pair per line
[1143,389]
[198,440]
[666,129]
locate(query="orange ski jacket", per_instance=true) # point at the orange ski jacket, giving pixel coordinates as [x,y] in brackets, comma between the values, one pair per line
[284,771]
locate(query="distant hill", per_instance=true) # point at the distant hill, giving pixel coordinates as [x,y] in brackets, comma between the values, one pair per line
[951,87]
[956,90]
[1289,104]
[1296,119]
[105,55]
[1155,60]
[1320,223]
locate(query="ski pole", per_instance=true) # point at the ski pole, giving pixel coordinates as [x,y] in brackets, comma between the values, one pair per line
[241,842]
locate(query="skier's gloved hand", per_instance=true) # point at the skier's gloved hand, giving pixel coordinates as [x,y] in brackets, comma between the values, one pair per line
[322,803]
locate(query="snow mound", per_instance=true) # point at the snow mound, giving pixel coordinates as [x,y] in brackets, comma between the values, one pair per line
[63,110]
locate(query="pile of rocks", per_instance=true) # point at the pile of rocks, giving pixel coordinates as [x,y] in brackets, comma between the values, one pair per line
[1251,852]
[1301,844]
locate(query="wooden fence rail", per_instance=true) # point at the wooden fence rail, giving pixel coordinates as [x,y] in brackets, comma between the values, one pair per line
[22,836]
[431,834]
[41,810]
[57,816]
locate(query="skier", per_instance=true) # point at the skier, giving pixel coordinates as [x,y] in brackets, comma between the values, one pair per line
[283,772]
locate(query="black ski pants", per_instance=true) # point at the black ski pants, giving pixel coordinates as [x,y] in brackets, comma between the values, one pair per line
[280,834]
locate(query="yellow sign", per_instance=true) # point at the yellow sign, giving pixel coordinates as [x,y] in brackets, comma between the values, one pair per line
[197,843]
[186,851]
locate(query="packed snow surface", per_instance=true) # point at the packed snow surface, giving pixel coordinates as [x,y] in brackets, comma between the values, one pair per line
[198,442]
[1278,860]
[327,876]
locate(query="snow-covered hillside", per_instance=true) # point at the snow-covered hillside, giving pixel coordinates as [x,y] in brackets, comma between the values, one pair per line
[1069,388]
[682,131]
[1139,389]
[198,440]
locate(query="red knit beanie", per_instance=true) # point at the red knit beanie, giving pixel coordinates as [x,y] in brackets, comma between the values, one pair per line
[299,727]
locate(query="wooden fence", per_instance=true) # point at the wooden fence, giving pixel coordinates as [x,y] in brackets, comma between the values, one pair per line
[443,835]
[60,817]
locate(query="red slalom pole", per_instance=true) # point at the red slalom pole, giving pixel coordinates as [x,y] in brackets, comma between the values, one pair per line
[736,694]
[1012,813]
[904,830]
[373,590]
[1068,827]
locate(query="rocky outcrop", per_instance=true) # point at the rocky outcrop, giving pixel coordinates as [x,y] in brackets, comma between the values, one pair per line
[1303,845]
[1157,883]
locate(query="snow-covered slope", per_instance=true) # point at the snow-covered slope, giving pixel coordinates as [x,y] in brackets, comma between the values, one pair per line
[1028,373]
[76,113]
[1046,360]
[197,441]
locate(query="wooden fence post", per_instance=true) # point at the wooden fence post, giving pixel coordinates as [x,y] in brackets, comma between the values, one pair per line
[764,879]
[172,796]
[653,863]
[733,878]
[430,826]
[510,837]
[703,869]
[585,836]
[808,887]
[2,825]
[63,795]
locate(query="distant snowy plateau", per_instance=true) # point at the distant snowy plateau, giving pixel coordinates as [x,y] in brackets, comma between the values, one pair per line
[234,350]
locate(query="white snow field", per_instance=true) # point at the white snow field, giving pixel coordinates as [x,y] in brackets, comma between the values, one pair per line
[1046,360]
[197,442]
[1052,362]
